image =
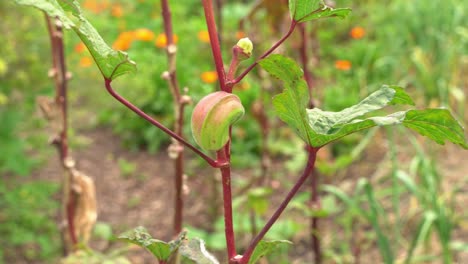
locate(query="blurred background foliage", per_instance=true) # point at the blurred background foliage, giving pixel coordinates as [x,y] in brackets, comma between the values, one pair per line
[419,44]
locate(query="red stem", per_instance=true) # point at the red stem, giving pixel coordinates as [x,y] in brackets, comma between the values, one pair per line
[304,60]
[214,41]
[315,220]
[227,203]
[213,163]
[60,77]
[179,115]
[307,171]
[292,26]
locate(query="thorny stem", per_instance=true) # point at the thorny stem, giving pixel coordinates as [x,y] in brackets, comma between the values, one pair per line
[60,77]
[126,103]
[227,203]
[292,26]
[179,106]
[307,171]
[214,41]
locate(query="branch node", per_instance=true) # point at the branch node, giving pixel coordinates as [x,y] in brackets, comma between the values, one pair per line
[166,75]
[172,49]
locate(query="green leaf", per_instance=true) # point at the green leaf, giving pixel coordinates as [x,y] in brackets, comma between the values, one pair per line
[400,97]
[317,127]
[436,124]
[196,251]
[421,233]
[266,247]
[111,63]
[301,8]
[258,199]
[160,249]
[326,11]
[373,214]
[307,10]
[291,104]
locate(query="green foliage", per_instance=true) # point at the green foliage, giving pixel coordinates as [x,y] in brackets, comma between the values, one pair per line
[265,248]
[318,128]
[436,124]
[302,11]
[111,63]
[25,209]
[12,158]
[196,251]
[127,168]
[163,251]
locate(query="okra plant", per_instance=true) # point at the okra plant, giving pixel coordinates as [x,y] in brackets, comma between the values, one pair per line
[215,114]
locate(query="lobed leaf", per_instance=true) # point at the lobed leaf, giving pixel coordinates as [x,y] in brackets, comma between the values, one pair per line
[307,10]
[160,249]
[266,247]
[196,251]
[436,124]
[111,63]
[317,127]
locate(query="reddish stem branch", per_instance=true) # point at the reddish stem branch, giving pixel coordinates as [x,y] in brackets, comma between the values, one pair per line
[307,171]
[315,220]
[292,26]
[60,76]
[214,41]
[213,163]
[227,203]
[304,56]
[179,115]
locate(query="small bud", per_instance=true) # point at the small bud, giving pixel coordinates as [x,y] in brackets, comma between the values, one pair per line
[243,49]
[246,45]
[212,117]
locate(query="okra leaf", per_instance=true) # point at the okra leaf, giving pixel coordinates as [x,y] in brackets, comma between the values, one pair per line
[196,251]
[163,251]
[110,62]
[307,10]
[266,247]
[317,127]
[436,124]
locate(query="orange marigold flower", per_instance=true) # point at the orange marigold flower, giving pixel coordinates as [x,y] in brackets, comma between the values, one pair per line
[85,62]
[204,36]
[209,77]
[343,65]
[91,5]
[144,34]
[117,10]
[161,40]
[357,32]
[240,34]
[80,47]
[124,41]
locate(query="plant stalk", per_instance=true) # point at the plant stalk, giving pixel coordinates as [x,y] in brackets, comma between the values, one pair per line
[61,142]
[126,103]
[315,220]
[214,41]
[227,204]
[179,107]
[304,56]
[307,171]
[292,26]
